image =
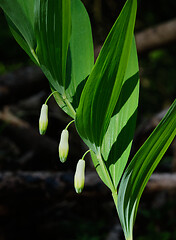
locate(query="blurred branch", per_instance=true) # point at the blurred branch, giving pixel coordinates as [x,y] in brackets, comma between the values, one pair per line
[22,132]
[153,38]
[161,182]
[62,182]
[174,157]
[7,116]
[21,84]
[115,233]
[156,37]
[28,139]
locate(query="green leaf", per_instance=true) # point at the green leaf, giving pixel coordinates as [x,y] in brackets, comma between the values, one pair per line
[57,36]
[103,87]
[20,17]
[80,58]
[53,30]
[111,91]
[140,169]
[117,141]
[81,53]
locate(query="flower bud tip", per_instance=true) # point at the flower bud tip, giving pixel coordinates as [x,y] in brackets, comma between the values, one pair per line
[43,120]
[79,178]
[64,146]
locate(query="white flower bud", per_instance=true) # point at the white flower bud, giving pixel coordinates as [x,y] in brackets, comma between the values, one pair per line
[79,176]
[63,146]
[43,120]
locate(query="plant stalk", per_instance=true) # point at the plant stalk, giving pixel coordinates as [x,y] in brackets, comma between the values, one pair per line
[106,173]
[69,105]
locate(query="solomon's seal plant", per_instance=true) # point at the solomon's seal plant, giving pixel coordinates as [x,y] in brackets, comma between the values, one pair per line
[102,98]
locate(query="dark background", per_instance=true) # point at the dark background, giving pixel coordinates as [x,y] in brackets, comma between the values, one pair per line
[37,198]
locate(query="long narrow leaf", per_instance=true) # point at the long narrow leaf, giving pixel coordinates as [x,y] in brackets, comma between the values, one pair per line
[53,30]
[118,138]
[80,58]
[117,141]
[140,169]
[57,36]
[104,84]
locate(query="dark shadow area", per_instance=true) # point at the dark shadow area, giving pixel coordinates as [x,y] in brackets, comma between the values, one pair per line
[68,68]
[126,91]
[77,94]
[123,140]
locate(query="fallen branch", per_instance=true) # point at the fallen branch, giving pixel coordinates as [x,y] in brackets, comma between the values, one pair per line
[156,37]
[62,182]
[44,147]
[24,81]
[152,38]
[25,135]
[115,233]
[21,84]
[161,182]
[146,128]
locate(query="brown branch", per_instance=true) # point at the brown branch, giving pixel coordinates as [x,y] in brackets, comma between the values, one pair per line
[21,84]
[115,232]
[56,188]
[25,135]
[7,116]
[156,37]
[153,38]
[62,182]
[161,182]
[44,147]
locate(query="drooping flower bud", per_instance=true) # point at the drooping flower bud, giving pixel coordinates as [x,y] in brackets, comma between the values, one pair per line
[63,146]
[43,120]
[79,178]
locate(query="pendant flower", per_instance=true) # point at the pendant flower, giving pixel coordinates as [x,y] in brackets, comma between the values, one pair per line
[43,120]
[79,178]
[64,146]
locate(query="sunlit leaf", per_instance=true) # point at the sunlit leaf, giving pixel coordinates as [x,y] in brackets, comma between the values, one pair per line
[104,84]
[53,30]
[99,107]
[140,169]
[118,138]
[80,58]
[117,141]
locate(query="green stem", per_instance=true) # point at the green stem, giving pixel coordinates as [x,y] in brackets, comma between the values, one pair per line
[114,195]
[49,96]
[69,124]
[35,56]
[108,178]
[106,173]
[130,238]
[69,105]
[86,153]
